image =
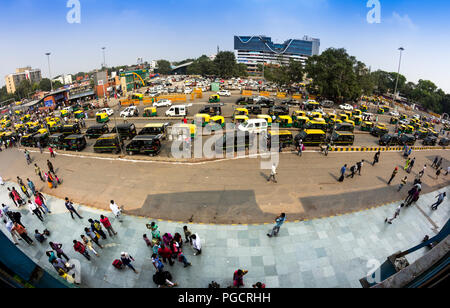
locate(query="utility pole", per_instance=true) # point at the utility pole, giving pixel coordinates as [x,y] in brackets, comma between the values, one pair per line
[104,61]
[398,72]
[49,71]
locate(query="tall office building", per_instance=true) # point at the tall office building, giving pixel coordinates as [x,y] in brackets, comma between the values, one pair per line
[25,73]
[254,50]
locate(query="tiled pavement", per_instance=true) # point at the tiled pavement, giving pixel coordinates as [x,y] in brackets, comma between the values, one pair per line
[328,252]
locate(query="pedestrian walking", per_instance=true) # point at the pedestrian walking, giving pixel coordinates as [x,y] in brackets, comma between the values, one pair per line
[438,172]
[177,253]
[80,248]
[9,225]
[394,173]
[196,244]
[50,166]
[272,174]
[352,170]
[31,186]
[422,172]
[38,172]
[22,233]
[396,214]
[166,254]
[238,278]
[40,147]
[27,157]
[126,260]
[300,147]
[359,166]
[407,164]
[88,243]
[436,159]
[116,210]
[187,234]
[1,181]
[52,153]
[411,193]
[97,227]
[343,169]
[12,197]
[40,201]
[57,247]
[376,158]
[403,183]
[107,224]
[93,236]
[279,221]
[71,209]
[440,199]
[155,232]
[34,210]
[157,263]
[411,165]
[439,163]
[415,197]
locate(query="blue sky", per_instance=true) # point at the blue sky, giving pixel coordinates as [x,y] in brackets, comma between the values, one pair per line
[175,30]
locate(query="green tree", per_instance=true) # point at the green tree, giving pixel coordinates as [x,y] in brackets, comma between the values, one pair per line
[44,84]
[57,84]
[24,89]
[164,67]
[225,63]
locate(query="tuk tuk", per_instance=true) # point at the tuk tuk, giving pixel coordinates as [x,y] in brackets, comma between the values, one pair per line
[214,98]
[182,129]
[298,113]
[380,110]
[6,123]
[150,112]
[363,108]
[300,122]
[316,125]
[284,137]
[432,132]
[342,138]
[155,129]
[393,120]
[27,140]
[32,127]
[212,110]
[201,119]
[74,143]
[240,119]
[357,112]
[254,109]
[403,117]
[54,119]
[266,117]
[349,114]
[19,127]
[357,120]
[331,117]
[25,118]
[313,137]
[367,126]
[311,105]
[18,112]
[402,128]
[409,129]
[217,123]
[349,122]
[42,137]
[284,121]
[71,129]
[379,130]
[343,117]
[79,114]
[236,142]
[64,113]
[126,130]
[386,108]
[145,144]
[314,115]
[422,133]
[56,140]
[96,131]
[108,143]
[102,118]
[344,127]
[240,112]
[54,127]
[138,96]
[406,139]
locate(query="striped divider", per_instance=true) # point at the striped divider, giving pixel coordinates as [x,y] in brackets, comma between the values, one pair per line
[383,149]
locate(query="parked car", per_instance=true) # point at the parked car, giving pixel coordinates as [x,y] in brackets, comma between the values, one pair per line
[131,111]
[163,103]
[407,139]
[444,142]
[346,107]
[430,140]
[224,93]
[187,91]
[394,113]
[108,111]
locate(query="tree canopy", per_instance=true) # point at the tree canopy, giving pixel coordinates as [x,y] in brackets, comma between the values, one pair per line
[164,67]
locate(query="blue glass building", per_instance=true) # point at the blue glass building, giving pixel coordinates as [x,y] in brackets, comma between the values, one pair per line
[254,50]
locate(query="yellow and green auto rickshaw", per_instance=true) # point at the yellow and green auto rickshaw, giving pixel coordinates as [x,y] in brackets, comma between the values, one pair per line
[300,122]
[201,119]
[343,117]
[363,108]
[79,114]
[6,123]
[64,113]
[367,126]
[216,123]
[403,117]
[357,119]
[25,118]
[240,112]
[150,112]
[102,117]
[18,112]
[284,121]
[138,96]
[380,110]
[331,117]
[182,129]
[19,127]
[409,129]
[214,98]
[240,119]
[314,115]
[393,120]
[402,128]
[266,117]
[284,137]
[298,113]
[357,112]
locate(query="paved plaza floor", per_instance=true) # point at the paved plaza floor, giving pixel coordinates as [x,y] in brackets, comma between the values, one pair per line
[327,252]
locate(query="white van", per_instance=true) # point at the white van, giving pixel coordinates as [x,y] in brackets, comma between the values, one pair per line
[255,126]
[177,111]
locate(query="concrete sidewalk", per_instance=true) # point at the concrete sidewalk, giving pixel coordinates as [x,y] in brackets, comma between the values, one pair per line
[329,252]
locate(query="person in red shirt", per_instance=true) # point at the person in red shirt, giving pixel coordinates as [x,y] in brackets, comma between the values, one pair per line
[79,247]
[22,232]
[107,224]
[165,253]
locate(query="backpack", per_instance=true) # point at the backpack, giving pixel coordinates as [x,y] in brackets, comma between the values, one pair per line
[117,264]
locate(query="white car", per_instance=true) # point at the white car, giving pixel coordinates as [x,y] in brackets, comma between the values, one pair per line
[224,93]
[154,94]
[187,91]
[108,111]
[404,122]
[163,103]
[131,111]
[394,113]
[346,107]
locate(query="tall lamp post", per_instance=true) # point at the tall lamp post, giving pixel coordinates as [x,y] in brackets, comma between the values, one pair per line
[104,61]
[398,72]
[49,71]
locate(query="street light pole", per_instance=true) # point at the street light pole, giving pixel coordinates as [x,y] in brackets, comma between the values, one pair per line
[104,61]
[49,71]
[398,72]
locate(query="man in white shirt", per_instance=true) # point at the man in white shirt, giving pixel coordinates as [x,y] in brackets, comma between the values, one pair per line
[34,210]
[196,244]
[396,214]
[9,225]
[272,174]
[116,210]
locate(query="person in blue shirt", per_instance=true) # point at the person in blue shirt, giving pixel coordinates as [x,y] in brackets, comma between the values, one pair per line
[31,186]
[279,221]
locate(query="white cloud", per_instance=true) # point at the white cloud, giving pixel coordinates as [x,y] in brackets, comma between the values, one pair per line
[404,21]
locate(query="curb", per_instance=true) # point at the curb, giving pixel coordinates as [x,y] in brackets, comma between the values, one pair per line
[384,149]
